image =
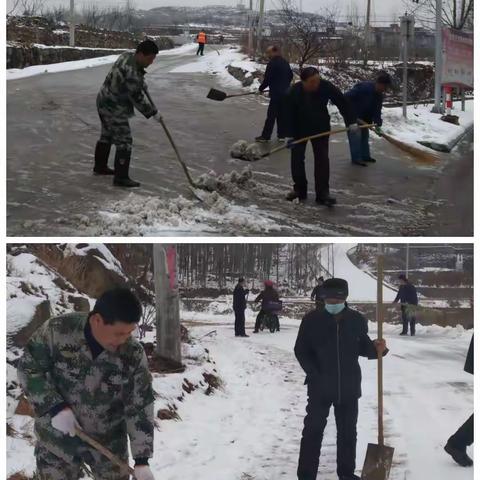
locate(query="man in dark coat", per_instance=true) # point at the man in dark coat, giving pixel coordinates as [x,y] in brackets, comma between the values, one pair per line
[239,305]
[317,295]
[328,346]
[278,77]
[366,100]
[457,444]
[407,296]
[307,114]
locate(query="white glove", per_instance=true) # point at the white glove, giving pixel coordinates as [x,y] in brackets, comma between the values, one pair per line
[143,472]
[353,128]
[66,422]
[158,117]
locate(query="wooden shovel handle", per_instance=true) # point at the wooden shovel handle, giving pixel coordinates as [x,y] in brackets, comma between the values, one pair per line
[243,94]
[313,137]
[380,313]
[104,451]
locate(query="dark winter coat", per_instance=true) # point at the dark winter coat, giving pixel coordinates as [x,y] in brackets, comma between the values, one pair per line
[317,293]
[366,102]
[267,295]
[307,114]
[278,77]
[469,363]
[407,294]
[328,350]
[240,298]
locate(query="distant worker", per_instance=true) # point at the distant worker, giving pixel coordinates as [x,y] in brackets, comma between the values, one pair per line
[221,39]
[457,444]
[122,92]
[267,296]
[201,40]
[408,298]
[239,305]
[317,294]
[366,100]
[278,77]
[307,114]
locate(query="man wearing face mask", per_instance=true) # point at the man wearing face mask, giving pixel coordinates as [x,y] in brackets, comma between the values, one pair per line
[328,346]
[86,371]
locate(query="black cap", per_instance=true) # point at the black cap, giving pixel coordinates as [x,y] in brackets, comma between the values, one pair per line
[241,279]
[385,78]
[402,276]
[320,279]
[335,288]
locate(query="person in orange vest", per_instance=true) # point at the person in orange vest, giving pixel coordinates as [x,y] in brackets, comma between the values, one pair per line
[201,40]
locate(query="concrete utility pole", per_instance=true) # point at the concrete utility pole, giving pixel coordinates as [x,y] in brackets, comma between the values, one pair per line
[438,57]
[407,29]
[367,33]
[72,23]
[260,27]
[167,302]
[250,29]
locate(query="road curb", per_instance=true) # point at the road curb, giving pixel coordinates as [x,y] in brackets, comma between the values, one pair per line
[448,146]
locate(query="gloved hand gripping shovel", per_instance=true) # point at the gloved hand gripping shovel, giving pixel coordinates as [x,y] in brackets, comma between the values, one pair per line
[105,452]
[378,461]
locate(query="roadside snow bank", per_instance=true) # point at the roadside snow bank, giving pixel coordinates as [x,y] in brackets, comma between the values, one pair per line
[421,125]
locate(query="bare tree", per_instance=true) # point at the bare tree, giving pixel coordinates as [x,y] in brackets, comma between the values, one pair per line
[308,33]
[32,8]
[456,14]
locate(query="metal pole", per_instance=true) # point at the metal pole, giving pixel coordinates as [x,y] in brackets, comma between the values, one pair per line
[367,33]
[250,30]
[407,266]
[72,23]
[260,27]
[405,74]
[438,58]
[462,96]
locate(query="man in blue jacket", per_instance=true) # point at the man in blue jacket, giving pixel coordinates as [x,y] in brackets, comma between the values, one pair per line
[366,99]
[407,295]
[328,347]
[278,77]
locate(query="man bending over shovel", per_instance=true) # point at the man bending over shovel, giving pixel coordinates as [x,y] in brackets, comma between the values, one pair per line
[307,114]
[85,371]
[121,93]
[328,346]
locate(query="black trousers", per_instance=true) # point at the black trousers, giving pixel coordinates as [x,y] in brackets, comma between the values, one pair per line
[346,415]
[275,112]
[463,437]
[201,48]
[239,322]
[321,168]
[408,318]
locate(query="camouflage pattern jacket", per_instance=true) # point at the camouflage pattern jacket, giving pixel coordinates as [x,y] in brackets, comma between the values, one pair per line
[111,396]
[123,89]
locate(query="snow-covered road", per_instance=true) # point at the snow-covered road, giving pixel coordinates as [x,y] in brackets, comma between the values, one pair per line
[252,429]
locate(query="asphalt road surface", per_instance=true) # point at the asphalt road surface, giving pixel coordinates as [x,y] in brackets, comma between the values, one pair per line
[52,129]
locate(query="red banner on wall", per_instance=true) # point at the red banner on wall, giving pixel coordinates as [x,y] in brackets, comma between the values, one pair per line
[457,65]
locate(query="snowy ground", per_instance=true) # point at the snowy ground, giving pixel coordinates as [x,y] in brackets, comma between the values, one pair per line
[251,428]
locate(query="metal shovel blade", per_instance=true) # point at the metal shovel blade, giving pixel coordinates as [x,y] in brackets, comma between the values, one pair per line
[217,95]
[378,462]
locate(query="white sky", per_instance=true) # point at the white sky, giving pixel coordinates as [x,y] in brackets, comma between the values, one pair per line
[383,11]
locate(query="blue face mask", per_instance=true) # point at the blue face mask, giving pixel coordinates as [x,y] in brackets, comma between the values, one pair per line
[334,308]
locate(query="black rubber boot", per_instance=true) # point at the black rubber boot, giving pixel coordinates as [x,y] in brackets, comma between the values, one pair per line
[102,152]
[293,195]
[326,200]
[369,160]
[458,455]
[122,165]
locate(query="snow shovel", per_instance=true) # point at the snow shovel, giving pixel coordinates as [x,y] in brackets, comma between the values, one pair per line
[105,452]
[174,146]
[220,96]
[379,458]
[253,157]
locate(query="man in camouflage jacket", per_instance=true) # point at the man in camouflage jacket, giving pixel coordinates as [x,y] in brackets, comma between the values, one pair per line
[122,92]
[86,371]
